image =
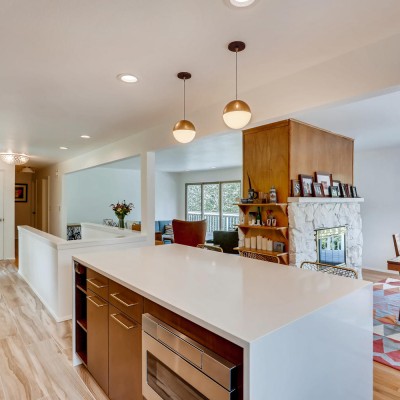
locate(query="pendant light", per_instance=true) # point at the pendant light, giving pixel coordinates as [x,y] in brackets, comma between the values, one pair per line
[237,113]
[184,131]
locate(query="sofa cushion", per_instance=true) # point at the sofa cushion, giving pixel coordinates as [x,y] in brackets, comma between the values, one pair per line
[163,224]
[157,226]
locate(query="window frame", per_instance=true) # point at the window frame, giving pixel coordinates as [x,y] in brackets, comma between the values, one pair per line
[201,184]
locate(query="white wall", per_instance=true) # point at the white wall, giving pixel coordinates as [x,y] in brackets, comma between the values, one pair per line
[167,196]
[377,178]
[90,192]
[9,210]
[212,175]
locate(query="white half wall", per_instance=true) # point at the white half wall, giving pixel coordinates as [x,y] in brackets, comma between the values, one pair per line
[377,180]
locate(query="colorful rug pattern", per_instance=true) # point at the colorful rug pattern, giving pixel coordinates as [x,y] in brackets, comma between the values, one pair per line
[386,323]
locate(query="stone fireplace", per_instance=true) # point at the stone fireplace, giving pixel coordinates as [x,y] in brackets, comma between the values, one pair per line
[310,216]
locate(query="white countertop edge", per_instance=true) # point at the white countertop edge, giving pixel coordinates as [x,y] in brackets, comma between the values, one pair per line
[245,344]
[325,200]
[226,335]
[62,244]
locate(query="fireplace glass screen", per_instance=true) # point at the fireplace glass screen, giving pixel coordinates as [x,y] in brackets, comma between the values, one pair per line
[331,245]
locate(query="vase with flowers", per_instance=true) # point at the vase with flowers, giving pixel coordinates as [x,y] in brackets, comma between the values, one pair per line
[121,210]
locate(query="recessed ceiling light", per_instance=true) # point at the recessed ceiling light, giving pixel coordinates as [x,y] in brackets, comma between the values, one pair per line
[85,136]
[63,148]
[213,167]
[127,78]
[241,3]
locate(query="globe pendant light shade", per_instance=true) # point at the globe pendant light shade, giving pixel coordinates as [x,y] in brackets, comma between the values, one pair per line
[184,130]
[237,114]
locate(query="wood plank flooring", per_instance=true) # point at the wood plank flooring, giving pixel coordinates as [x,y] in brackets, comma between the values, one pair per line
[35,351]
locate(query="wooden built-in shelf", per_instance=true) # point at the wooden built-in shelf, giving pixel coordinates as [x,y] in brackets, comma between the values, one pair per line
[283,230]
[82,323]
[244,206]
[83,357]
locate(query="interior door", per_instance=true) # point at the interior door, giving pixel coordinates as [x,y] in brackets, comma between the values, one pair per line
[45,206]
[1,215]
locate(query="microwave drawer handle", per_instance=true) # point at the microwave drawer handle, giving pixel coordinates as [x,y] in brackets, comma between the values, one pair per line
[115,296]
[127,327]
[180,346]
[91,299]
[93,281]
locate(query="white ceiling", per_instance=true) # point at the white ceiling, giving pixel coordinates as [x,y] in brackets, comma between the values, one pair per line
[60,59]
[374,123]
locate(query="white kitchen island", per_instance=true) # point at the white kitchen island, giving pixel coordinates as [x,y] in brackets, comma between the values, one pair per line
[306,335]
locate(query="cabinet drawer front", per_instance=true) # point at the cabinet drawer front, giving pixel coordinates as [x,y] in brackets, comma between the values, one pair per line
[125,371]
[126,300]
[97,283]
[97,338]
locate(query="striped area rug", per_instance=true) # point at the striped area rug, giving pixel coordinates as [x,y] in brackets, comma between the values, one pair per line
[386,323]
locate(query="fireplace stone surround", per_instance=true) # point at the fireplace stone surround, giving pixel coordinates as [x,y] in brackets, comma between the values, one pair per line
[306,215]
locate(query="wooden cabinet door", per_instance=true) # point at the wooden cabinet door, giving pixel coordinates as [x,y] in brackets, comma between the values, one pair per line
[125,355]
[97,339]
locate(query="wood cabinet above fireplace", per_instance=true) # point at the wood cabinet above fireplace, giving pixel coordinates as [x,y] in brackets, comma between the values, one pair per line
[274,154]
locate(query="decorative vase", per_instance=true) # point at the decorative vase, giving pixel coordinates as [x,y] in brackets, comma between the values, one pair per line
[121,223]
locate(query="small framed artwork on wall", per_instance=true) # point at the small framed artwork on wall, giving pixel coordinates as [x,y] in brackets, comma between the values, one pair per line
[306,182]
[325,179]
[21,192]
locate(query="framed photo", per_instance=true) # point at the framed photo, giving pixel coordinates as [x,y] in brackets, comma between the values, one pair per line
[318,190]
[279,247]
[325,179]
[343,192]
[21,192]
[306,182]
[296,188]
[354,191]
[334,191]
[336,184]
[347,189]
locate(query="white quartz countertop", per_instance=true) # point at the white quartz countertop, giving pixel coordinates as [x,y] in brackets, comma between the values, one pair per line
[238,298]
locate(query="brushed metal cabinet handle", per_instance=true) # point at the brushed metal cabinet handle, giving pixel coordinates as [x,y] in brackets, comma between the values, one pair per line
[115,296]
[92,282]
[90,298]
[114,317]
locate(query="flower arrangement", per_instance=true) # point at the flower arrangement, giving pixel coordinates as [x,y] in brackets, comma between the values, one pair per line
[122,209]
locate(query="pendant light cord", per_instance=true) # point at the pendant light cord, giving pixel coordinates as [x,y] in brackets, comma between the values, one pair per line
[236,71]
[184,98]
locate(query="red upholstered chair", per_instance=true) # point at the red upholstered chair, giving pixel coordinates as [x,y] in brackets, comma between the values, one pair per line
[190,233]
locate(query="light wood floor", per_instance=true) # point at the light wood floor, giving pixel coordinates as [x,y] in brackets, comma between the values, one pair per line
[35,351]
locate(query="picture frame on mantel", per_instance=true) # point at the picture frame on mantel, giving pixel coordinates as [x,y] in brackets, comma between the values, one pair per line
[21,192]
[343,192]
[325,179]
[354,192]
[306,182]
[296,188]
[318,189]
[334,191]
